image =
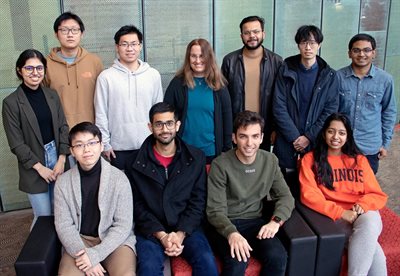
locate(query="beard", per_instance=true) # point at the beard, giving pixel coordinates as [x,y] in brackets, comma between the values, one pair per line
[165,141]
[248,47]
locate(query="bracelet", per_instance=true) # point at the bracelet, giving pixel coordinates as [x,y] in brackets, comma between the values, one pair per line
[163,237]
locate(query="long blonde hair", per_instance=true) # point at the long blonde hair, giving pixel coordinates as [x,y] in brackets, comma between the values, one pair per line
[213,76]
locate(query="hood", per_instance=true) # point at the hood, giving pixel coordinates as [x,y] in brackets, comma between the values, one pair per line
[143,67]
[82,53]
[56,58]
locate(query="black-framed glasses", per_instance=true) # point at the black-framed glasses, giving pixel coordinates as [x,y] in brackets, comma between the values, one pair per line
[126,44]
[29,68]
[82,146]
[66,31]
[358,50]
[160,125]
[311,43]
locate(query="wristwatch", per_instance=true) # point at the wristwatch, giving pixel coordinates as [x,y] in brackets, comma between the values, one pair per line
[277,220]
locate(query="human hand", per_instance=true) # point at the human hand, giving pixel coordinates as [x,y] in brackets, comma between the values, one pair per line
[96,270]
[349,215]
[172,244]
[46,173]
[59,167]
[240,248]
[268,230]
[82,261]
[382,153]
[177,237]
[301,143]
[358,209]
[109,153]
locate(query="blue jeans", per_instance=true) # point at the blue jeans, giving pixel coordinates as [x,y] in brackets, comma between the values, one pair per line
[197,252]
[270,252]
[42,203]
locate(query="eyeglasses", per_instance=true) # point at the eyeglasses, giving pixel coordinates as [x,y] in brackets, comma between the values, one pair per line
[66,31]
[160,125]
[127,44]
[82,146]
[358,50]
[311,43]
[29,69]
[256,32]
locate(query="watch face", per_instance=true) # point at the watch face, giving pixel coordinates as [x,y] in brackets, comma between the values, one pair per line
[276,219]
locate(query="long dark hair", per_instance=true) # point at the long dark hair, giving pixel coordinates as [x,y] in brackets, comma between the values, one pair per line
[322,169]
[213,75]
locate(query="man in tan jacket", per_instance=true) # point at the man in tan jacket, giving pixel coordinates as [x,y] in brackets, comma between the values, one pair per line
[72,71]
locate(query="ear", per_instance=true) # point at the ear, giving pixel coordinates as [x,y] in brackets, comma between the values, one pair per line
[149,126]
[349,54]
[373,54]
[234,138]
[262,137]
[72,152]
[177,125]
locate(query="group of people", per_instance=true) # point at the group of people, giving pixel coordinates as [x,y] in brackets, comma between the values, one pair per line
[139,190]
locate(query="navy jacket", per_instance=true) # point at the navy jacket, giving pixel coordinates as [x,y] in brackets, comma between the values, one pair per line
[177,95]
[171,199]
[286,106]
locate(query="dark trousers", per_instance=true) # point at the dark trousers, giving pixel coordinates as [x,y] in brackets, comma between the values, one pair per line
[291,177]
[373,162]
[197,252]
[270,252]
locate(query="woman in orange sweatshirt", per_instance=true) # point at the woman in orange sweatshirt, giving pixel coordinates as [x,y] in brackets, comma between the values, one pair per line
[337,181]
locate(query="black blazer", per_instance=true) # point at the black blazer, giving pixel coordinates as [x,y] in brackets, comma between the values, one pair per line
[24,137]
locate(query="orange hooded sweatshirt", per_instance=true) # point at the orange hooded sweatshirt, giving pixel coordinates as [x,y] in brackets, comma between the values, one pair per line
[353,183]
[75,83]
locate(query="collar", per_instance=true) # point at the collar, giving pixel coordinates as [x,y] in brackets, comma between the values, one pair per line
[350,72]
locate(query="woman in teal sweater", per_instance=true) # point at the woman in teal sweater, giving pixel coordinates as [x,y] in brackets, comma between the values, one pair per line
[202,101]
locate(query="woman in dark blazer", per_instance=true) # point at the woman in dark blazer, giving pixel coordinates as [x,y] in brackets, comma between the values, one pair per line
[37,132]
[202,101]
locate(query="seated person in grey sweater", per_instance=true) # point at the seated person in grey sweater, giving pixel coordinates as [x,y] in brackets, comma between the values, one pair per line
[93,211]
[238,183]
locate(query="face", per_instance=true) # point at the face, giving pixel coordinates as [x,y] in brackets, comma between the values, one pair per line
[361,54]
[252,35]
[197,61]
[69,34]
[128,49]
[248,141]
[309,48]
[164,127]
[32,73]
[335,137]
[86,149]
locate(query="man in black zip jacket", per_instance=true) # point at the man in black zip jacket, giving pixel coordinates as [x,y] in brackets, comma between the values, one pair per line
[168,179]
